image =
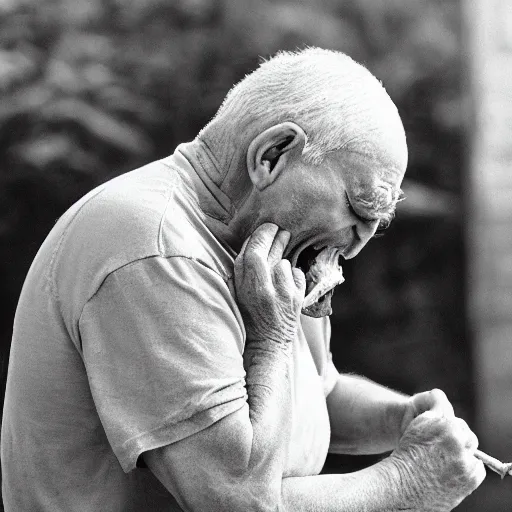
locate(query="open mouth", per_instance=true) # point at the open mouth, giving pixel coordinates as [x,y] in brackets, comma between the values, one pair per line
[323,273]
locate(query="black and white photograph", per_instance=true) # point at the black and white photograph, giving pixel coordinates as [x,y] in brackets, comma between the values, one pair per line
[256,255]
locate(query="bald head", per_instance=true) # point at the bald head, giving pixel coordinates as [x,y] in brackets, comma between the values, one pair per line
[336,101]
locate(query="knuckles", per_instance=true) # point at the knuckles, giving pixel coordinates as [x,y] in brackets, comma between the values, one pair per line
[438,394]
[452,435]
[438,454]
[254,259]
[284,265]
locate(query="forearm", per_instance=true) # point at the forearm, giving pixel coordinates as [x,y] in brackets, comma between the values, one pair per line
[374,489]
[238,460]
[365,417]
[267,365]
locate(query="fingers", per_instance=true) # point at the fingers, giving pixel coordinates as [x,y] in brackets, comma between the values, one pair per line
[262,239]
[453,433]
[283,277]
[239,261]
[261,257]
[267,290]
[266,245]
[300,280]
[254,253]
[443,448]
[242,250]
[270,242]
[476,468]
[479,473]
[470,440]
[440,403]
[434,401]
[278,247]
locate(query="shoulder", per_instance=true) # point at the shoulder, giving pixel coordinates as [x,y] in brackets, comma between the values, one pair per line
[149,212]
[114,224]
[178,293]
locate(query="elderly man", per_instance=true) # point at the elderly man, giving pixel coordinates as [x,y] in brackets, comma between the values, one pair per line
[152,368]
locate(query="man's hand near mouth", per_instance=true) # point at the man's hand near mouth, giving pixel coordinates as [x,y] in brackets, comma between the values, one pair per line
[270,309]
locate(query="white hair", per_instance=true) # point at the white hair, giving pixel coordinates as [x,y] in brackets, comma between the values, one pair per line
[335,100]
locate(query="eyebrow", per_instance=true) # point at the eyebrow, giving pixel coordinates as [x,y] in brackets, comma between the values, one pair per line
[384,214]
[354,212]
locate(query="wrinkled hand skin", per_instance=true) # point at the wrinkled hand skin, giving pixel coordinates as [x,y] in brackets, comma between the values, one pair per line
[434,400]
[269,291]
[436,464]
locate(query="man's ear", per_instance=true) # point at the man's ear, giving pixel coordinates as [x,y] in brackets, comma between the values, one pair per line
[272,150]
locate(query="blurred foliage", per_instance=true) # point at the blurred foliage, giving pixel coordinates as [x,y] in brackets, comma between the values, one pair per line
[93,88]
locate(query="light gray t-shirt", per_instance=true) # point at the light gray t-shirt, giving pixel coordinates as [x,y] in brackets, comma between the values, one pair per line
[127,338]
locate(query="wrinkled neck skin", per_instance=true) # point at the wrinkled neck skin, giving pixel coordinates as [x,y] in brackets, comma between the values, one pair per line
[225,165]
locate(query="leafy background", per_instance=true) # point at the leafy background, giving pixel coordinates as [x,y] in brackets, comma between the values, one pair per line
[94,88]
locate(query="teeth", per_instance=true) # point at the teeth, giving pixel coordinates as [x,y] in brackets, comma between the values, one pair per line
[323,275]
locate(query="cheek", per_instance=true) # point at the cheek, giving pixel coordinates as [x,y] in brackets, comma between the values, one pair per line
[329,214]
[292,208]
[315,207]
[340,218]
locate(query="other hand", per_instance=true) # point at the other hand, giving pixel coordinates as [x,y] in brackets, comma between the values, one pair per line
[269,291]
[436,463]
[434,400]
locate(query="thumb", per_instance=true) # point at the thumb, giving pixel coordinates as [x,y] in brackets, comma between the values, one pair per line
[435,401]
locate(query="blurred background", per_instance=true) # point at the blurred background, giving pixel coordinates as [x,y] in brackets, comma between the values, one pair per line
[90,89]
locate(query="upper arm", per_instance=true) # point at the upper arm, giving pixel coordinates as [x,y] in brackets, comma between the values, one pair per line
[162,348]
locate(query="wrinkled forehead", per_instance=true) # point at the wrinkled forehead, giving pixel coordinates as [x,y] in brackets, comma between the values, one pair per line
[376,198]
[373,181]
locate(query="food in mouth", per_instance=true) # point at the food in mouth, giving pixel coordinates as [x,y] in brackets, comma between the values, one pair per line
[323,273]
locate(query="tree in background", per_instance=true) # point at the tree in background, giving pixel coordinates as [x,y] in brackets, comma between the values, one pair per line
[93,88]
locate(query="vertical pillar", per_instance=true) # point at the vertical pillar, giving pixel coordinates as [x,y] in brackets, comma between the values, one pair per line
[489,220]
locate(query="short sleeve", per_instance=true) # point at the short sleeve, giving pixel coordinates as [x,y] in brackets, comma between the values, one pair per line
[162,343]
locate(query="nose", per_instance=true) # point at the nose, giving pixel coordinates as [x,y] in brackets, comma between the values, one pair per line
[362,233]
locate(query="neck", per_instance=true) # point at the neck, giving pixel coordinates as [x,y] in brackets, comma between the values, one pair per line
[224,177]
[228,154]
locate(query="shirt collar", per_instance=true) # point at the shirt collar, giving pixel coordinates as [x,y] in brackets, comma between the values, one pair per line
[195,158]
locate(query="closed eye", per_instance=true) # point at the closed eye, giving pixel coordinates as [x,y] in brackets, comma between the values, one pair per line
[355,214]
[383,223]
